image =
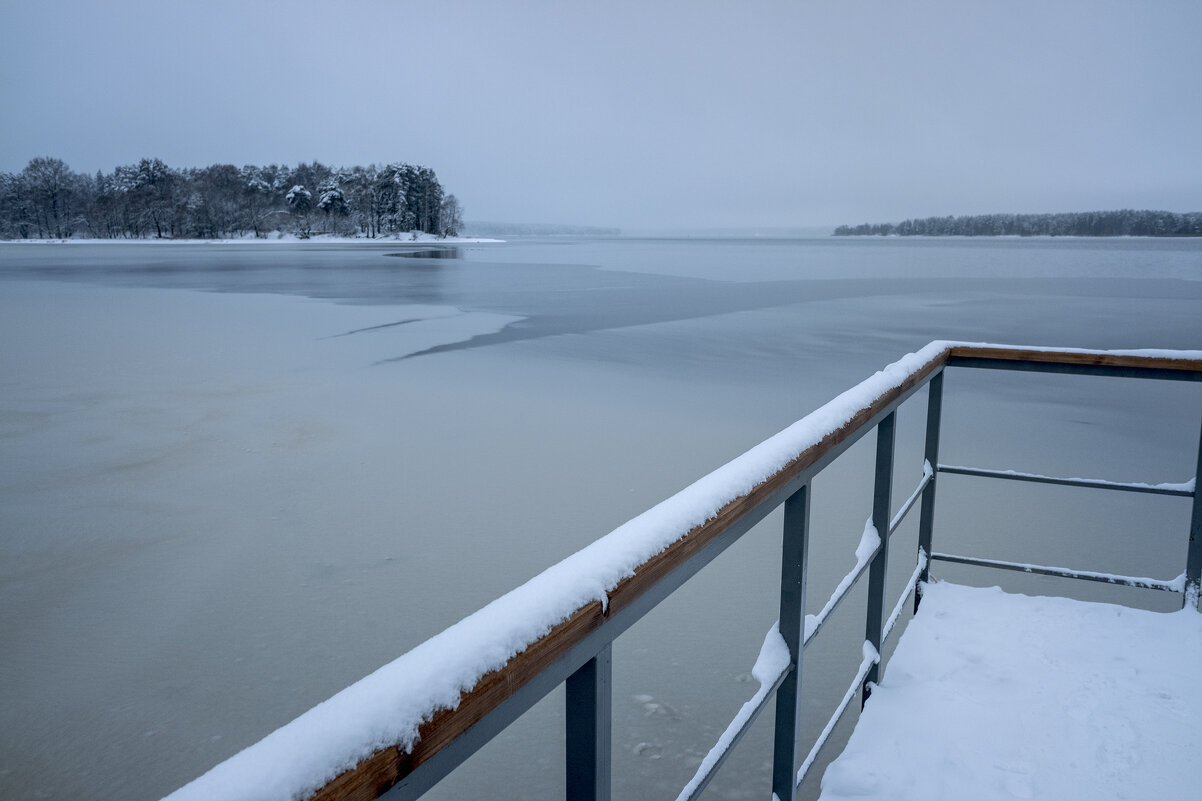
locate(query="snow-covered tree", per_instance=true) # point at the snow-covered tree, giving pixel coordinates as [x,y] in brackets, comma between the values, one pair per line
[149,198]
[300,200]
[331,200]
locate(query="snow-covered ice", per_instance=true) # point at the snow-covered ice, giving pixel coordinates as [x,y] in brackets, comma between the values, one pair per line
[992,695]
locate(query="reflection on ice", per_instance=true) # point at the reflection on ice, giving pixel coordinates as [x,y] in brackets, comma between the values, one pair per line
[431,253]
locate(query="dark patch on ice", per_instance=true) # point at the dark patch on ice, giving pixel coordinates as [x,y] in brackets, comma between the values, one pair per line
[430,253]
[374,328]
[585,310]
[576,306]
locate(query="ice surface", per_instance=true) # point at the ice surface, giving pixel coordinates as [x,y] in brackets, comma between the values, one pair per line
[991,695]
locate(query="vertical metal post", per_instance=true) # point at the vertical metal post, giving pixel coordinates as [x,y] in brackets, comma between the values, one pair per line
[926,512]
[786,750]
[589,740]
[882,496]
[1193,560]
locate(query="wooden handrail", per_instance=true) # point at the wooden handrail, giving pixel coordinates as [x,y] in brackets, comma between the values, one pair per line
[382,770]
[1147,360]
[385,768]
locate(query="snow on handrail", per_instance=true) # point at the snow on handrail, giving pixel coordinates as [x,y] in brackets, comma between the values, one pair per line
[388,708]
[443,684]
[1146,359]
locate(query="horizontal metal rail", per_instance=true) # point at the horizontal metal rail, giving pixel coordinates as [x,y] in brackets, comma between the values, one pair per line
[1170,585]
[1185,490]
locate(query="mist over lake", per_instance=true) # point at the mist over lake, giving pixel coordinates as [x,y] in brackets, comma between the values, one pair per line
[238,477]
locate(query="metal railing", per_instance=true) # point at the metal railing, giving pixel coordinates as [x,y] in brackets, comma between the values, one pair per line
[577,652]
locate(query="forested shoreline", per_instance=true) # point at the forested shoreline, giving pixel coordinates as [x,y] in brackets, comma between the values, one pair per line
[1126,222]
[47,200]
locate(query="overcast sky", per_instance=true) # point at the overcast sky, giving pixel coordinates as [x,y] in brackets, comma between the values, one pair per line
[636,114]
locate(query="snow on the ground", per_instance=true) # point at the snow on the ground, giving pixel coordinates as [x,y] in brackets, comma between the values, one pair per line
[403,239]
[992,695]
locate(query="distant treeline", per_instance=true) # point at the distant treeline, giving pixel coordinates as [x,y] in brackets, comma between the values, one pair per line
[46,200]
[1089,223]
[481,228]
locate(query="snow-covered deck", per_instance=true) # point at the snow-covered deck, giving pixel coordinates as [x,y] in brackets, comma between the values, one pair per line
[991,695]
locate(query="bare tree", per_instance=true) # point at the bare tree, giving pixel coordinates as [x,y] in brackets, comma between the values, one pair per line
[49,193]
[452,216]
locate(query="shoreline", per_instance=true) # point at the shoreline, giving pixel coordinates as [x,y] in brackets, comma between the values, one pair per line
[285,239]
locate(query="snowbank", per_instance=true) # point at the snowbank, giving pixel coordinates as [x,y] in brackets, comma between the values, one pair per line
[274,238]
[997,696]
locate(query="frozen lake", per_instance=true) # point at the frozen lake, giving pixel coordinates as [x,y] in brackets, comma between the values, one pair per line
[219,507]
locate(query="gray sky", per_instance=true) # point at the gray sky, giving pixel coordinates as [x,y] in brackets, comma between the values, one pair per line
[636,114]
